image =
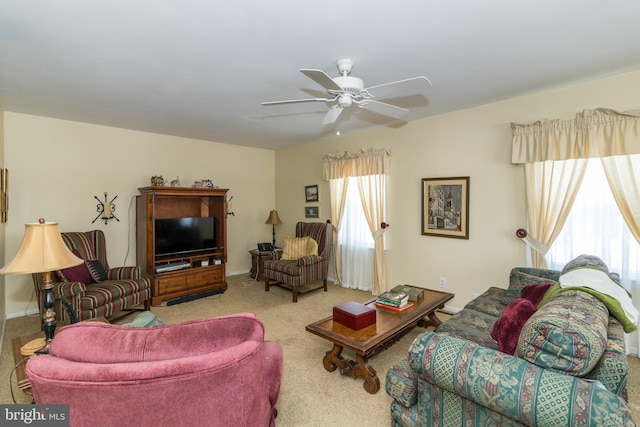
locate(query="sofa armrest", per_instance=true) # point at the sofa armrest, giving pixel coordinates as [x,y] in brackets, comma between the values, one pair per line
[513,387]
[402,384]
[124,273]
[69,290]
[72,292]
[309,260]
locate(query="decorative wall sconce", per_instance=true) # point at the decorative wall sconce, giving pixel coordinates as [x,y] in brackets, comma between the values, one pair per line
[105,209]
[230,207]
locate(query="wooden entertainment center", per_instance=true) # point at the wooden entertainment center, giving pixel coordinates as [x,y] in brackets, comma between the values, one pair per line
[188,274]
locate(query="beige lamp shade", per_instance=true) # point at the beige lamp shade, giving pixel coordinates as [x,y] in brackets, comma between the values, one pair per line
[273,219]
[42,250]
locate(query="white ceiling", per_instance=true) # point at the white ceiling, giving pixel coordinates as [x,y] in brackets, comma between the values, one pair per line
[200,68]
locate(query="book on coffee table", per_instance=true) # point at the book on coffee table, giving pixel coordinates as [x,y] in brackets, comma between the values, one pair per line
[392,307]
[397,299]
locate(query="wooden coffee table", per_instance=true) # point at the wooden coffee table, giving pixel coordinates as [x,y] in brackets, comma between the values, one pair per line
[390,326]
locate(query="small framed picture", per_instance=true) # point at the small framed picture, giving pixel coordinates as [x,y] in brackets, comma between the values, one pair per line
[311,212]
[311,193]
[445,207]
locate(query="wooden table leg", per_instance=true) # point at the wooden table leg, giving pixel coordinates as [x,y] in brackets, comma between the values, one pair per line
[357,369]
[371,381]
[333,359]
[433,321]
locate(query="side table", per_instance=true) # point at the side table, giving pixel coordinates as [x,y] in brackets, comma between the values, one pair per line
[257,262]
[19,360]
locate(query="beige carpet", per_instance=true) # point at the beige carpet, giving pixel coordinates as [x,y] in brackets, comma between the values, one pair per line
[310,395]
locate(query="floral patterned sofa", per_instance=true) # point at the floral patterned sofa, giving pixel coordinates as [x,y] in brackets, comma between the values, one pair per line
[569,366]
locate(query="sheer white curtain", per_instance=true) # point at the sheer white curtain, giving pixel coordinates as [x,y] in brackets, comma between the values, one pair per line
[356,243]
[338,195]
[551,187]
[368,166]
[595,226]
[373,194]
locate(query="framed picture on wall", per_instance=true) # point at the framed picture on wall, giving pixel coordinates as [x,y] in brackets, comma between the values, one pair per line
[311,193]
[311,212]
[445,207]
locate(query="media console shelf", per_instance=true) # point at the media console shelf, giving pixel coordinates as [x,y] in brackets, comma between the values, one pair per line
[181,274]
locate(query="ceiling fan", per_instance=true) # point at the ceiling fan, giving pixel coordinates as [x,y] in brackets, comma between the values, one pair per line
[347,90]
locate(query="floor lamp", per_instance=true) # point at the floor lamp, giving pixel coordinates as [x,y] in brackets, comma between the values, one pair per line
[274,220]
[43,251]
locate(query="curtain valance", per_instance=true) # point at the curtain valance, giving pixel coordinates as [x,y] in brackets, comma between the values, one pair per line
[367,161]
[593,133]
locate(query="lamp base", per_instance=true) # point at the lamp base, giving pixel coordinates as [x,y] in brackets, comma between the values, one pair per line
[30,348]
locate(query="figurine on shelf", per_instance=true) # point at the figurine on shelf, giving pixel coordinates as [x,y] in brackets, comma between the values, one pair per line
[157,181]
[176,182]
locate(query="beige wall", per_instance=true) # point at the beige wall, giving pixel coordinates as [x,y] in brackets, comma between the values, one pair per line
[57,166]
[474,142]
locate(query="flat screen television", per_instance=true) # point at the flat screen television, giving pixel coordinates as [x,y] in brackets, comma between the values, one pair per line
[178,236]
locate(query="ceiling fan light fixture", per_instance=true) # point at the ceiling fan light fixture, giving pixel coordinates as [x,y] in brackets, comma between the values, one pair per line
[348,90]
[345,101]
[350,84]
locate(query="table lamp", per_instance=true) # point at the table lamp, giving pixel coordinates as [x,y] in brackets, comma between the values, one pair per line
[43,251]
[274,220]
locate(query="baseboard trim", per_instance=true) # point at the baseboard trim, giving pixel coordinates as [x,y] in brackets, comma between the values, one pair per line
[450,309]
[188,298]
[23,314]
[238,273]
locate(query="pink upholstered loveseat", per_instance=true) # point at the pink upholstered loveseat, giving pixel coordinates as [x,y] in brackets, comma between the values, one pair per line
[211,372]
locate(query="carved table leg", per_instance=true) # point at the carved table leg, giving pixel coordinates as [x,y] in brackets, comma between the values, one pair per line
[333,359]
[433,321]
[371,381]
[357,369]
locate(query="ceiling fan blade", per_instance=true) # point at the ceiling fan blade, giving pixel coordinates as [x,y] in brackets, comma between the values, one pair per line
[383,108]
[321,78]
[332,115]
[292,101]
[413,79]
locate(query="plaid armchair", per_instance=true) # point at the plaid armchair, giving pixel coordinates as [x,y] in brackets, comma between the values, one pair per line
[295,274]
[122,288]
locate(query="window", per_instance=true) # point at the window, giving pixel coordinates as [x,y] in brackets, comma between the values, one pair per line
[357,242]
[596,227]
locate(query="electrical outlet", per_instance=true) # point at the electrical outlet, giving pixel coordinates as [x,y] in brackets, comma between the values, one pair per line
[443,282]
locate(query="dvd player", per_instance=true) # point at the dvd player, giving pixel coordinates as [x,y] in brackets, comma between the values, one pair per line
[172,266]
